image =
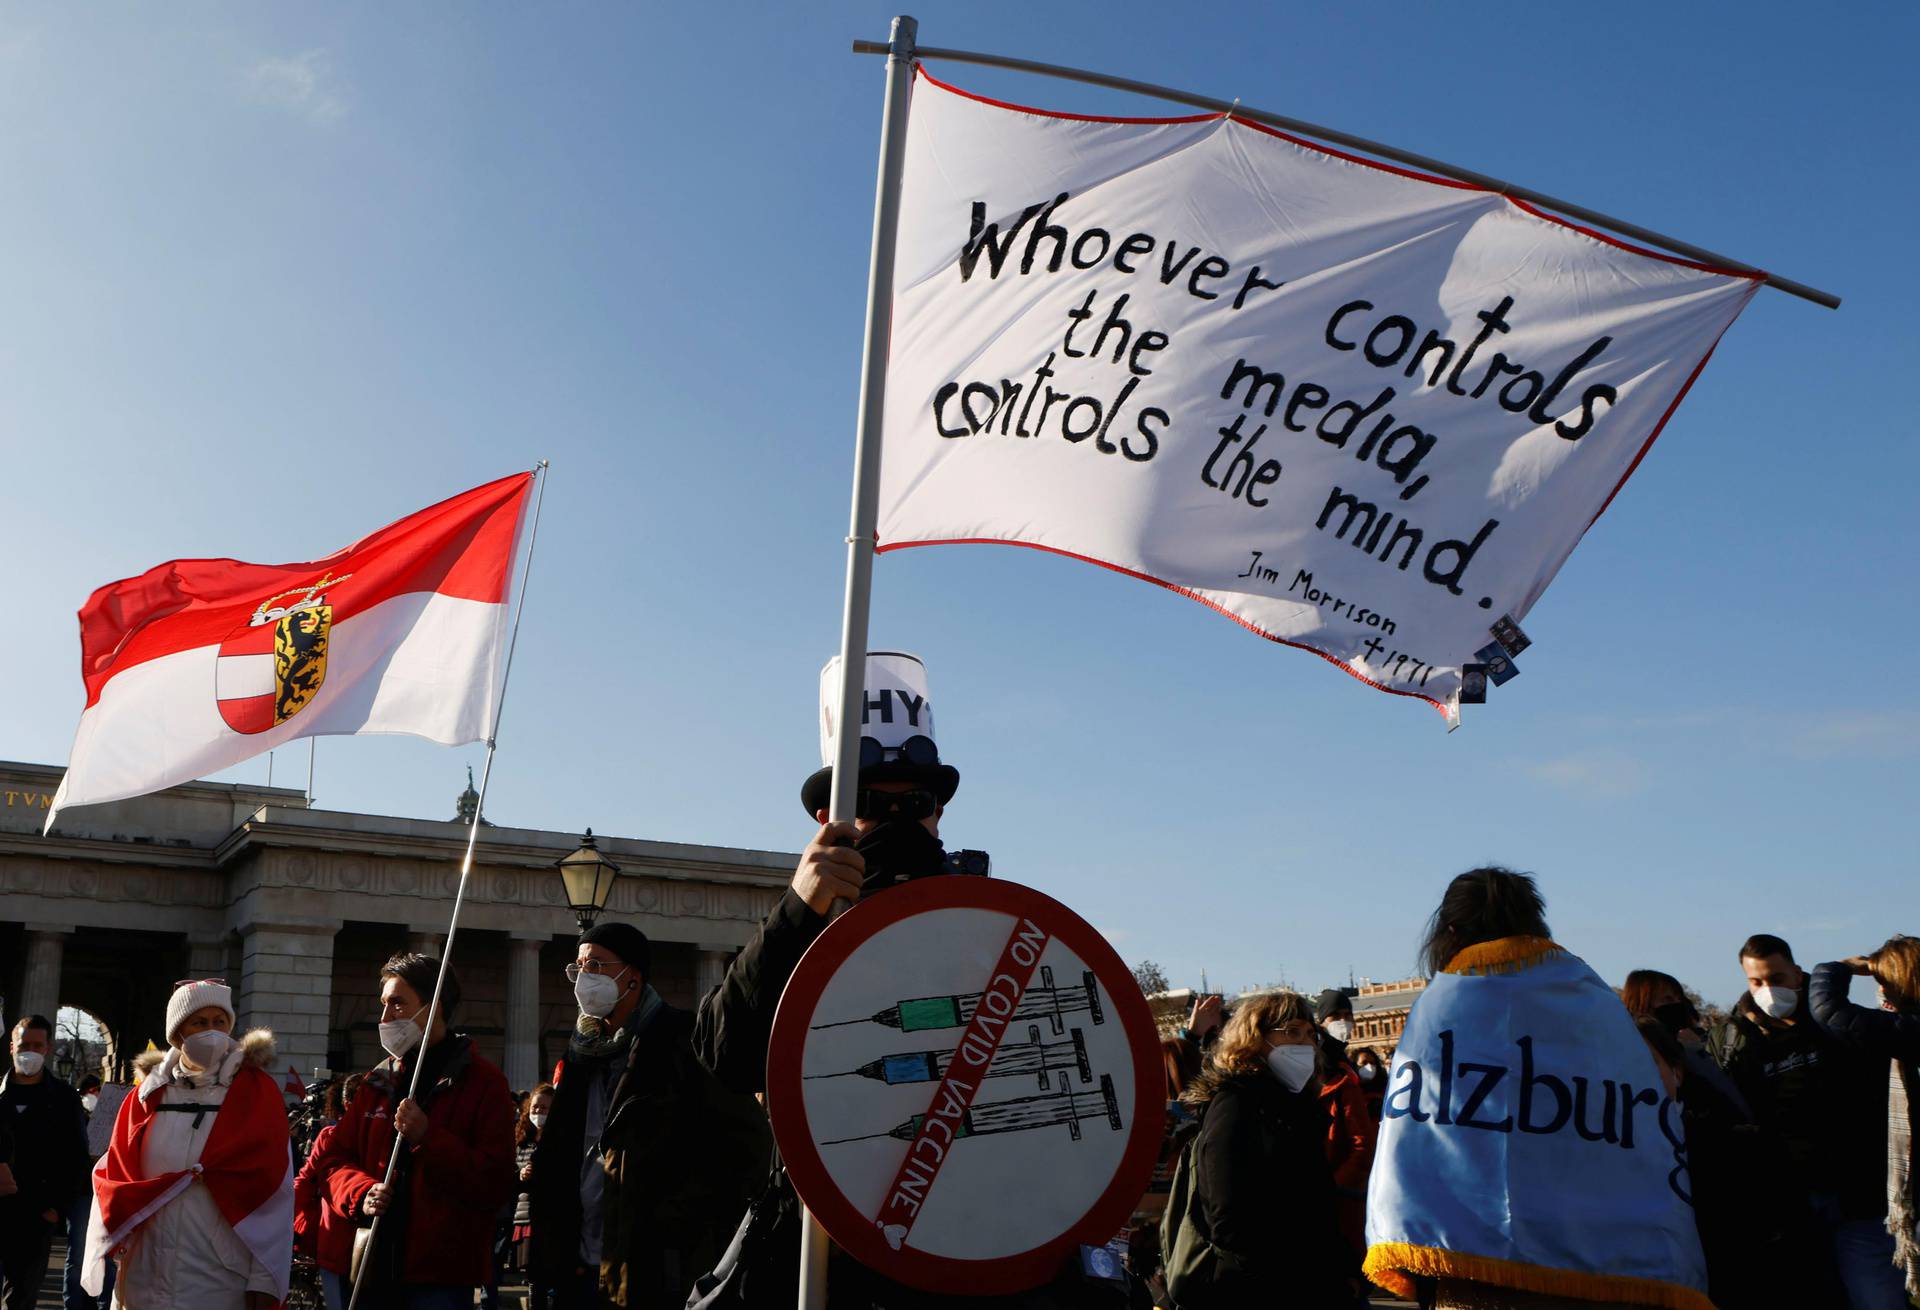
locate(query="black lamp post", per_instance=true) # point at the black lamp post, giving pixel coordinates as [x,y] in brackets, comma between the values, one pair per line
[589,878]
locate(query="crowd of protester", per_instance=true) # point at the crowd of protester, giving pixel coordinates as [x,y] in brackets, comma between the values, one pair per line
[644,1174]
[622,1182]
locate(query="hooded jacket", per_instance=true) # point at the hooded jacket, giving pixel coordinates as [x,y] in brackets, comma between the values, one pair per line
[223,1222]
[319,1230]
[453,1183]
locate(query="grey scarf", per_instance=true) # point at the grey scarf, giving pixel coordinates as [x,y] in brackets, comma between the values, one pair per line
[592,1041]
[1901,1216]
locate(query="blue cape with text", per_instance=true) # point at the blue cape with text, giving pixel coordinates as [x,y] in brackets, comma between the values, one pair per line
[1526,1140]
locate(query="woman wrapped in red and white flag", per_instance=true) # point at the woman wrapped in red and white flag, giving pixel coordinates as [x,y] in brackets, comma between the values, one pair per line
[194,1198]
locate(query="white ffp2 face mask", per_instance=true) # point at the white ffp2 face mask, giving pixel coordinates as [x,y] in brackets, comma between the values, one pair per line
[1339,1029]
[1776,1002]
[29,1063]
[206,1048]
[539,1121]
[1292,1065]
[596,994]
[399,1037]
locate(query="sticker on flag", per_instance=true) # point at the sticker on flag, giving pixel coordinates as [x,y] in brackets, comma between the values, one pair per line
[198,665]
[1356,409]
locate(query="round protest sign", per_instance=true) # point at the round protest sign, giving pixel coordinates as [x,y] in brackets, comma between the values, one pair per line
[964,1081]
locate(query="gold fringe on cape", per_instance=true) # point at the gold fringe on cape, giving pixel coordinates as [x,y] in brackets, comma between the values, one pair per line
[1507,955]
[1390,1263]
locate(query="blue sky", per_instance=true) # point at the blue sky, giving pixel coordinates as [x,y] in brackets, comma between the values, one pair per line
[275,276]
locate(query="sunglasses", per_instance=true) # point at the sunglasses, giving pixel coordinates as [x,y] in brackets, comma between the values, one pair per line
[195,982]
[915,750]
[870,803]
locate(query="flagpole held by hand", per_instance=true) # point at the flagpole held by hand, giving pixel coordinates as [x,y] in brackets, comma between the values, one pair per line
[866,507]
[466,869]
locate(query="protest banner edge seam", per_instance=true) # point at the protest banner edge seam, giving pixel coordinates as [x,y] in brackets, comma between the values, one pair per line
[1543,214]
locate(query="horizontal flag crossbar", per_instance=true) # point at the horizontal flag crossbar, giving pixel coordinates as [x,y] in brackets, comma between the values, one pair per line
[1408,157]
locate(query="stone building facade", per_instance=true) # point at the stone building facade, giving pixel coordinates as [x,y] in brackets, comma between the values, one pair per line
[1380,1012]
[298,907]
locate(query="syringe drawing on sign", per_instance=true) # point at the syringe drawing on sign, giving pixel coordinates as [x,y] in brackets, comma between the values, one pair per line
[922,1013]
[1020,1115]
[1011,1060]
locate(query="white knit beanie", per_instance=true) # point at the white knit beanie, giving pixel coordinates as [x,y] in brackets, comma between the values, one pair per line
[191,996]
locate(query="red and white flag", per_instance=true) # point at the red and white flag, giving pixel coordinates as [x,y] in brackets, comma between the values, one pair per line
[246,1164]
[198,665]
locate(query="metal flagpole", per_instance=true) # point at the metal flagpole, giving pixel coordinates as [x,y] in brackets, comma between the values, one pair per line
[466,864]
[312,744]
[866,508]
[1532,197]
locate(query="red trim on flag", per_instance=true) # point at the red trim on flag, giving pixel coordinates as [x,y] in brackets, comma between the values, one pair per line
[248,714]
[920,69]
[1175,587]
[1654,435]
[1304,143]
[462,547]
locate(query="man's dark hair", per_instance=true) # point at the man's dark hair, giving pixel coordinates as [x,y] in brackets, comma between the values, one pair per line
[420,973]
[29,1022]
[91,1083]
[1762,944]
[1482,905]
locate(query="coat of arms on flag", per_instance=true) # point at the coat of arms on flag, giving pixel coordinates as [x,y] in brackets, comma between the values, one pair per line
[269,670]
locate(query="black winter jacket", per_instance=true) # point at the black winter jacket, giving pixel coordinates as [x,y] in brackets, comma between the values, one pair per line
[1882,1034]
[45,1145]
[1266,1198]
[683,1156]
[730,1037]
[1819,1098]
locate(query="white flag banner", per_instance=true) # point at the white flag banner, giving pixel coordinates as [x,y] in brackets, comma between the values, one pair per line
[1356,409]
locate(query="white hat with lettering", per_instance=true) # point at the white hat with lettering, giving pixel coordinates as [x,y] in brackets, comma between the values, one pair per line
[896,730]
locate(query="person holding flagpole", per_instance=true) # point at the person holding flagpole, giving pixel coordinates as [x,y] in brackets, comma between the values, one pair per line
[904,788]
[434,1244]
[195,1193]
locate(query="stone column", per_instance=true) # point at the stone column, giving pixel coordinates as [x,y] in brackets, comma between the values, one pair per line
[710,967]
[425,943]
[207,956]
[286,984]
[40,980]
[523,1012]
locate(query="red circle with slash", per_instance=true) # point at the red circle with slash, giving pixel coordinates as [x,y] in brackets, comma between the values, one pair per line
[1028,1111]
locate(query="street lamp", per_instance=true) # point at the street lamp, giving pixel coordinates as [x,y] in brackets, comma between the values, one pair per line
[589,878]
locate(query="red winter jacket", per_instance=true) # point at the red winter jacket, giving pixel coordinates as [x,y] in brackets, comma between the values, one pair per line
[457,1179]
[319,1230]
[1351,1137]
